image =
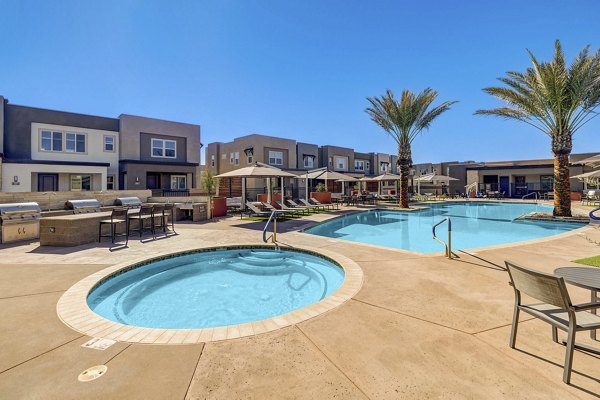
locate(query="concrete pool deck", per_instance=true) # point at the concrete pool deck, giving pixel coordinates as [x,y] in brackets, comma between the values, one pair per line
[422,326]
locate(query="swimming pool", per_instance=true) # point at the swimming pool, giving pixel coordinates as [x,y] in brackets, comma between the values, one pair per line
[474,224]
[215,288]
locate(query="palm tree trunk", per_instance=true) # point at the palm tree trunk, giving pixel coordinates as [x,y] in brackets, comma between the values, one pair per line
[404,164]
[562,185]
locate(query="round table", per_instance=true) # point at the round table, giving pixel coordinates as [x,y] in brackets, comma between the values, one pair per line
[584,277]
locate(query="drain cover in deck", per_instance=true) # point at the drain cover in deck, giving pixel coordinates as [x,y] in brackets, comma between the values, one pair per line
[92,373]
[98,344]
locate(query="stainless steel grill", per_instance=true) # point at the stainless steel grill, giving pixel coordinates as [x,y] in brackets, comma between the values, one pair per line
[130,202]
[83,206]
[20,221]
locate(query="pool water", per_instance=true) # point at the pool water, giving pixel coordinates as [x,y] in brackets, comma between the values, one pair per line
[474,224]
[216,288]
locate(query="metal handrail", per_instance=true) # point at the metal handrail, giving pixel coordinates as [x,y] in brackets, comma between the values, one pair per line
[537,196]
[273,236]
[448,245]
[593,218]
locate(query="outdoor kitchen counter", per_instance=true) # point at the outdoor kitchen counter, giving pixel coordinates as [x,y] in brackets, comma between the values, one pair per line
[71,230]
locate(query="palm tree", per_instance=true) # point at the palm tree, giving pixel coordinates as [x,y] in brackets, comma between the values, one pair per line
[556,99]
[403,120]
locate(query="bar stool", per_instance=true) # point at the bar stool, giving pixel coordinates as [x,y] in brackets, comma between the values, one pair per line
[146,213]
[158,212]
[169,213]
[118,216]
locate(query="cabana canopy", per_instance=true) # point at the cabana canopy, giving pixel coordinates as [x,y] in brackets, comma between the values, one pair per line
[594,161]
[384,177]
[328,176]
[435,178]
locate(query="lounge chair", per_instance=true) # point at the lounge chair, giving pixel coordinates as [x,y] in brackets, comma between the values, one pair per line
[556,308]
[589,197]
[271,209]
[297,206]
[331,206]
[297,211]
[316,206]
[253,210]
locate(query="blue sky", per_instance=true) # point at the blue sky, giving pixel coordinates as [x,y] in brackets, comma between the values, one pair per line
[297,69]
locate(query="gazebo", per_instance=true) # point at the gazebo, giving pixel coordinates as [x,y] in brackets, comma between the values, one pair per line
[382,178]
[258,170]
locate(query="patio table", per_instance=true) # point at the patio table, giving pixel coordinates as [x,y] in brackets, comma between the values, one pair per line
[586,278]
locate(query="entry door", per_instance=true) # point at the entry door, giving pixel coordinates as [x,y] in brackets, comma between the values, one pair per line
[47,182]
[152,181]
[504,183]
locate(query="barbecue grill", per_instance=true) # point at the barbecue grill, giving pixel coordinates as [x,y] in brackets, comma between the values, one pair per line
[19,221]
[129,202]
[83,206]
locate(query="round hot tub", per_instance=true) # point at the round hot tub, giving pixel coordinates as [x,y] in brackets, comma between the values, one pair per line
[220,287]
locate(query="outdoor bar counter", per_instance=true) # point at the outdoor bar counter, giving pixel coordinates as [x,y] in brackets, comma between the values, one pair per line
[77,229]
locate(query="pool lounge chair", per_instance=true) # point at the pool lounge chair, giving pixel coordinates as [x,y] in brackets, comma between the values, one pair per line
[295,206]
[331,206]
[287,212]
[556,308]
[316,206]
[254,211]
[283,207]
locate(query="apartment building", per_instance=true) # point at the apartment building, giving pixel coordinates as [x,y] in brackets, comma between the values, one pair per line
[519,178]
[47,150]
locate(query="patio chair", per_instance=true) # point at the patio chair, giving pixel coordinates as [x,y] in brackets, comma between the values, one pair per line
[330,206]
[297,211]
[298,206]
[316,206]
[556,308]
[168,214]
[158,220]
[589,197]
[271,209]
[117,217]
[146,213]
[253,210]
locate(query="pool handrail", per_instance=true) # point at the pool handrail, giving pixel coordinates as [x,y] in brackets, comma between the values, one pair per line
[537,196]
[273,237]
[448,245]
[594,219]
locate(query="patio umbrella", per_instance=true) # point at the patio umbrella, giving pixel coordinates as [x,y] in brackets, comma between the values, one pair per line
[433,178]
[384,177]
[592,177]
[258,170]
[594,161]
[325,174]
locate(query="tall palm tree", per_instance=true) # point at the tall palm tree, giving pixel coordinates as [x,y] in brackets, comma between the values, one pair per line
[556,99]
[403,120]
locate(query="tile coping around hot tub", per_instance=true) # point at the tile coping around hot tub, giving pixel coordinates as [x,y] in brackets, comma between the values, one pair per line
[73,310]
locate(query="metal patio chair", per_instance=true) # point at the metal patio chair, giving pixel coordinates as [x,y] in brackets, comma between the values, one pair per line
[556,308]
[117,217]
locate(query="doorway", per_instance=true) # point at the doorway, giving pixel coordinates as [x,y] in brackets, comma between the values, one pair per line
[504,185]
[47,182]
[152,180]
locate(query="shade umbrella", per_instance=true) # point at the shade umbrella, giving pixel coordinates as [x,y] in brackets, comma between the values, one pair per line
[593,161]
[258,170]
[325,174]
[591,178]
[384,177]
[433,178]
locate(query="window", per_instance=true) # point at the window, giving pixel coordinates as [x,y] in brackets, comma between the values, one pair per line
[81,182]
[164,148]
[308,161]
[234,158]
[51,141]
[423,171]
[212,160]
[276,157]
[547,183]
[224,156]
[384,166]
[109,143]
[75,142]
[359,165]
[341,163]
[249,158]
[367,165]
[331,161]
[178,182]
[110,182]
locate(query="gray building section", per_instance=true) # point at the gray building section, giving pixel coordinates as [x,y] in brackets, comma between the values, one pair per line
[307,150]
[2,104]
[18,120]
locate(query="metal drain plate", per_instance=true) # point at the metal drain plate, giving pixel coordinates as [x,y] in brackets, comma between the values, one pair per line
[98,344]
[92,373]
